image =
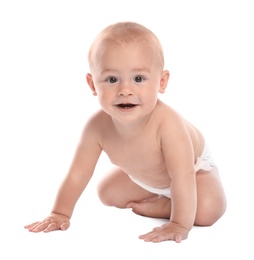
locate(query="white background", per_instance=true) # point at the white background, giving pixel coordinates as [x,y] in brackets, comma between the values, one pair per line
[45,101]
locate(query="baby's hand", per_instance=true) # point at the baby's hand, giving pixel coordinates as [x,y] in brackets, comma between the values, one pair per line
[52,222]
[168,231]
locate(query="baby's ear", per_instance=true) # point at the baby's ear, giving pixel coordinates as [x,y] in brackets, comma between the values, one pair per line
[90,82]
[164,81]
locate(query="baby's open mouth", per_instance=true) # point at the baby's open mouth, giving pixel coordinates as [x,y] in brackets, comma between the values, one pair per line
[126,105]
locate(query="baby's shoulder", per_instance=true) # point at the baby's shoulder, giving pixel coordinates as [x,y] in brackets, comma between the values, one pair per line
[169,120]
[95,126]
[173,124]
[166,114]
[98,121]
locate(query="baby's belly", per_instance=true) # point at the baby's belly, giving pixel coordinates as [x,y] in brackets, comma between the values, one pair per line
[157,178]
[149,168]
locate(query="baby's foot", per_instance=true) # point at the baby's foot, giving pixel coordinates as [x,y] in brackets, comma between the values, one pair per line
[155,207]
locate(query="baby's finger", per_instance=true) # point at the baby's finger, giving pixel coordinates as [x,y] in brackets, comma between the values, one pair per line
[178,238]
[40,226]
[151,233]
[50,227]
[65,226]
[149,236]
[145,235]
[158,236]
[31,225]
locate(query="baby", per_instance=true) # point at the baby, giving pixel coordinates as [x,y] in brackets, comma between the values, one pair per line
[163,166]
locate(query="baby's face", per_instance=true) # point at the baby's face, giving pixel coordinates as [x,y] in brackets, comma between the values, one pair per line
[127,78]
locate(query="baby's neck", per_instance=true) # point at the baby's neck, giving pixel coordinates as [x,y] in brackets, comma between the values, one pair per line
[130,129]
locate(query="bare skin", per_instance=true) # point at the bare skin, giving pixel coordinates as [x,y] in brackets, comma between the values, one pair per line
[209,208]
[144,138]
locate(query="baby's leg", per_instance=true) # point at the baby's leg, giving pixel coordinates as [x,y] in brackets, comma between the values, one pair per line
[154,207]
[117,189]
[211,201]
[211,198]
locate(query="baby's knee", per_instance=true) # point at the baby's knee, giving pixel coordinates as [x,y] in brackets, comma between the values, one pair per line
[104,194]
[109,195]
[209,211]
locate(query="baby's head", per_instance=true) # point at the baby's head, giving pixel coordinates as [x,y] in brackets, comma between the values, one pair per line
[124,33]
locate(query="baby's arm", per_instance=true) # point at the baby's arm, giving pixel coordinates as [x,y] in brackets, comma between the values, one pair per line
[73,185]
[179,157]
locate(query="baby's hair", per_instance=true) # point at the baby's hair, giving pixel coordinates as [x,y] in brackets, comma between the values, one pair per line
[125,32]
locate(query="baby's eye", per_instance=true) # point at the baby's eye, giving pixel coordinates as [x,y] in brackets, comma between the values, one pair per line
[112,79]
[138,79]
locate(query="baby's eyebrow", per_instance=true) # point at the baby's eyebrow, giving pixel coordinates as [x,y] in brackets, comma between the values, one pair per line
[141,70]
[134,70]
[108,71]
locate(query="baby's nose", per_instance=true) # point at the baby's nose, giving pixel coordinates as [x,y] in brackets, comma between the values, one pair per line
[125,89]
